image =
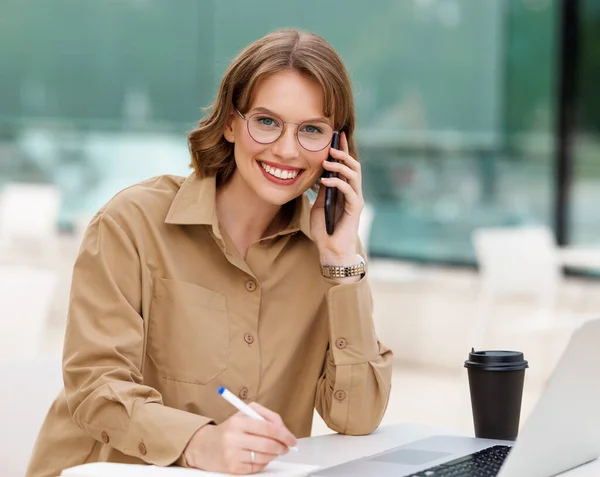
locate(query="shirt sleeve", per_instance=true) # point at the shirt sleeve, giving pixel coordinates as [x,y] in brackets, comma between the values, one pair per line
[353,391]
[104,349]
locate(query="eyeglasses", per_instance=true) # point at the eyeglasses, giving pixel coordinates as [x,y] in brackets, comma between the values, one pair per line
[266,128]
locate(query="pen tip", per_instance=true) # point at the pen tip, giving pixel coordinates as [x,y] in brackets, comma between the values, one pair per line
[221,390]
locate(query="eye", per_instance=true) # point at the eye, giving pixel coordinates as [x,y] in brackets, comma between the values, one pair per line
[266,121]
[312,129]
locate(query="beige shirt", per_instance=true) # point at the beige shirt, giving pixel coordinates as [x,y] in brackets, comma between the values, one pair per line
[164,310]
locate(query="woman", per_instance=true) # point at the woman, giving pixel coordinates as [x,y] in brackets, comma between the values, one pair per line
[185,285]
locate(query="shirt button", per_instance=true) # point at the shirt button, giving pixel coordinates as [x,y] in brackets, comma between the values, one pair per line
[341,343]
[105,437]
[250,285]
[248,338]
[243,393]
[142,448]
[340,395]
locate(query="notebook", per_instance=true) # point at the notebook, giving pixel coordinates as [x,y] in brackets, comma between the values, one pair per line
[109,469]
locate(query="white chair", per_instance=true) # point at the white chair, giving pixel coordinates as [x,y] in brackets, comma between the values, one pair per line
[517,261]
[26,298]
[29,215]
[27,389]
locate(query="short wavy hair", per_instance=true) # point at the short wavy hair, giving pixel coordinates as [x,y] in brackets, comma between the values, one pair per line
[306,53]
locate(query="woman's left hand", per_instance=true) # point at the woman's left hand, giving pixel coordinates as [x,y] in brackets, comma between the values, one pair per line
[341,247]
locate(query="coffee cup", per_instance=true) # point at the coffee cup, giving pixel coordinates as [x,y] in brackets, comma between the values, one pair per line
[496,381]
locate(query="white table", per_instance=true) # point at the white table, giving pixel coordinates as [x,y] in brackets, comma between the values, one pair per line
[325,451]
[334,449]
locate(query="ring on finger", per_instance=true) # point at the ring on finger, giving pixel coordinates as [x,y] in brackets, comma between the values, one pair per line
[252,457]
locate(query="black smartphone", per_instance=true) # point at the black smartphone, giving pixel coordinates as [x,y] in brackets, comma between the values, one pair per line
[332,207]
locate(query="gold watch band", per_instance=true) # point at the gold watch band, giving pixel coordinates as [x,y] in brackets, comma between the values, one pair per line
[343,271]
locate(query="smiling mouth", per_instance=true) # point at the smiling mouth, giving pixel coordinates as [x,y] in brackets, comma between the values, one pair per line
[283,174]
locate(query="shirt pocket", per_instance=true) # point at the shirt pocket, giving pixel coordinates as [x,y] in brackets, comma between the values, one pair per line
[188,332]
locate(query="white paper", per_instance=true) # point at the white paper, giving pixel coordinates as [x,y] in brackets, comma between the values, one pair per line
[109,469]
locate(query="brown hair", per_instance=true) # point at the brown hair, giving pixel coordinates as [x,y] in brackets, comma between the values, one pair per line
[307,53]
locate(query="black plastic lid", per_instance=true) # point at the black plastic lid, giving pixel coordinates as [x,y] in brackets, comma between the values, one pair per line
[496,360]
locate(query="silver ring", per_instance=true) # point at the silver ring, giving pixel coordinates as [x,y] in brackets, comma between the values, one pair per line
[252,457]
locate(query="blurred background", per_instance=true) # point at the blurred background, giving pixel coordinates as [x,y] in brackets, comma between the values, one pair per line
[478,130]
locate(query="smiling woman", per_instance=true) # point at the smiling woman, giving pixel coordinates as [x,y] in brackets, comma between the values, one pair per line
[224,278]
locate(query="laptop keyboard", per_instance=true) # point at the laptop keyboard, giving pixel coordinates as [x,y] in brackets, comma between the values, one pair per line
[485,463]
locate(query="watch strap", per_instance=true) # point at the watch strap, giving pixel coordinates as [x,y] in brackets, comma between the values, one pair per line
[344,271]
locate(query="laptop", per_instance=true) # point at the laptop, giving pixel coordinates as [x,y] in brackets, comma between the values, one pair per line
[562,432]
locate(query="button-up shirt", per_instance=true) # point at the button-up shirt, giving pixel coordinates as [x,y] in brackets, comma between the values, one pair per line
[164,310]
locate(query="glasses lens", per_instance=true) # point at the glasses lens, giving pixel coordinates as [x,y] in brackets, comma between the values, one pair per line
[264,128]
[314,136]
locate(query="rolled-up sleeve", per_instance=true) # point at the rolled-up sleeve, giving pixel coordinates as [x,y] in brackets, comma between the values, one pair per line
[354,388]
[104,350]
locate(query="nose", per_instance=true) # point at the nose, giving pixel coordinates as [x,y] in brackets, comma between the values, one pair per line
[287,147]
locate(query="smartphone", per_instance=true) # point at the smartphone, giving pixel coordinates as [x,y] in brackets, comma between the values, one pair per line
[332,207]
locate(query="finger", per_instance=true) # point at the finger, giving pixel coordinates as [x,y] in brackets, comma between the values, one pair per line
[344,143]
[260,459]
[245,467]
[253,456]
[352,164]
[346,173]
[352,198]
[346,158]
[270,448]
[267,413]
[241,446]
[269,430]
[273,427]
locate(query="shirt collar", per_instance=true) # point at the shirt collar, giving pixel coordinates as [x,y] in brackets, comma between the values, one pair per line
[195,204]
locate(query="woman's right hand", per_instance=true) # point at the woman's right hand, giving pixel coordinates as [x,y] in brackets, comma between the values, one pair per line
[241,444]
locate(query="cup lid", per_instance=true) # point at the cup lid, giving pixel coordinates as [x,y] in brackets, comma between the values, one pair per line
[496,360]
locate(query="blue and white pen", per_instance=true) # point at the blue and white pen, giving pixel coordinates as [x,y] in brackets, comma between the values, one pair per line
[243,407]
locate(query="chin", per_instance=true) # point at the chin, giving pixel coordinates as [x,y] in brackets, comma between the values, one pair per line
[279,199]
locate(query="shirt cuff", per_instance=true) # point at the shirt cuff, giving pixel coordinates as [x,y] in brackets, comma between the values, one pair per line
[158,434]
[167,432]
[352,332]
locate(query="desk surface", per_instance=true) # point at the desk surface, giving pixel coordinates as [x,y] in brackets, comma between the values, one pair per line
[333,449]
[325,451]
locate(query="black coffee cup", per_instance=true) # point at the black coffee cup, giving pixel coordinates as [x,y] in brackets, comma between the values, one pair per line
[496,383]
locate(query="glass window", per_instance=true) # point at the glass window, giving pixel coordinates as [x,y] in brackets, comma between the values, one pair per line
[455,103]
[584,221]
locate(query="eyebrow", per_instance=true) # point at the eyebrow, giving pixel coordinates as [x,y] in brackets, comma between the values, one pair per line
[260,109]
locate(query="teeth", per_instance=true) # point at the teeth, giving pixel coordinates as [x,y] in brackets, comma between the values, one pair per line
[279,173]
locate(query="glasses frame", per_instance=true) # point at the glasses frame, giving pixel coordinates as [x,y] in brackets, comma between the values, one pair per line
[247,119]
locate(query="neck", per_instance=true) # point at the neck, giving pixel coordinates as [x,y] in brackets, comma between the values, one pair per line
[244,215]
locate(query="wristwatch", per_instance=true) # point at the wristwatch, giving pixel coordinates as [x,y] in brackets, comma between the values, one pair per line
[343,271]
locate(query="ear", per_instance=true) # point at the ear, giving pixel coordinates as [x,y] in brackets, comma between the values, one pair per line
[228,132]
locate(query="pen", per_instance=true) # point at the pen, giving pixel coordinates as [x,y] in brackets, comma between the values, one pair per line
[243,407]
